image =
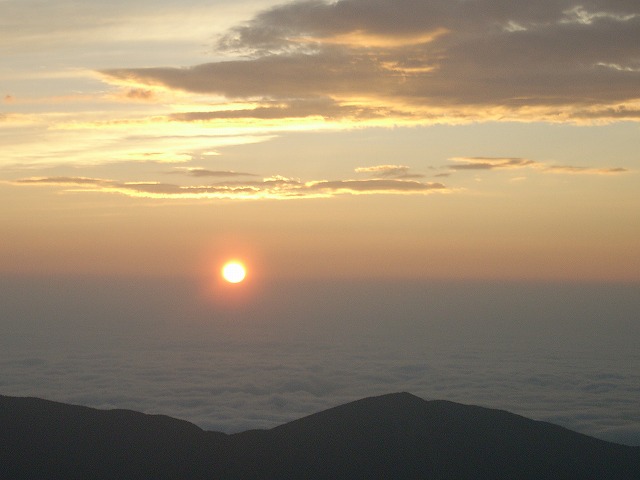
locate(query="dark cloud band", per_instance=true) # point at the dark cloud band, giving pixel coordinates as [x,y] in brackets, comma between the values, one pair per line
[549,59]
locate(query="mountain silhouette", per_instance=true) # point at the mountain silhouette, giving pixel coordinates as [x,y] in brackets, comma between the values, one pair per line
[396,436]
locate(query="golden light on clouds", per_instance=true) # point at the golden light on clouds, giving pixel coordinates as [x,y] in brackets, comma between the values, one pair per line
[363,39]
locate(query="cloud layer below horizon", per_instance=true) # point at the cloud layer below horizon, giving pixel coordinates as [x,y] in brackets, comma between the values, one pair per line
[148,346]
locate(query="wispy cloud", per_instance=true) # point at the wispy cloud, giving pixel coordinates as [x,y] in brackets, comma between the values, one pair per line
[203,172]
[568,169]
[324,107]
[503,163]
[386,171]
[376,186]
[269,188]
[490,163]
[31,23]
[142,94]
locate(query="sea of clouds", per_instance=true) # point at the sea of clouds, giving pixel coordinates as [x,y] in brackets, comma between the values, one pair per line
[564,354]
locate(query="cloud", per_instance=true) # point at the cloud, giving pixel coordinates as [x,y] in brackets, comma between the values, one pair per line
[487,59]
[31,24]
[18,119]
[502,163]
[140,94]
[375,186]
[289,108]
[385,171]
[63,181]
[385,180]
[277,187]
[489,163]
[583,170]
[203,172]
[279,364]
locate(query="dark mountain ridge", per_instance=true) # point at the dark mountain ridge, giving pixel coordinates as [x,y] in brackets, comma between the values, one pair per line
[397,436]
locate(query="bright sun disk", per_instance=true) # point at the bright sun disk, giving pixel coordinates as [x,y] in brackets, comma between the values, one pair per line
[234,272]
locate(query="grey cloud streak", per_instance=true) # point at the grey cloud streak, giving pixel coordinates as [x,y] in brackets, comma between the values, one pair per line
[322,106]
[376,185]
[203,172]
[502,163]
[490,163]
[563,59]
[389,171]
[584,170]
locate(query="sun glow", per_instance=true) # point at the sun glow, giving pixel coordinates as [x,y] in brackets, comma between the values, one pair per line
[234,272]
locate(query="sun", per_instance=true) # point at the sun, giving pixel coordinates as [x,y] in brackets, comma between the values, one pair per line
[234,272]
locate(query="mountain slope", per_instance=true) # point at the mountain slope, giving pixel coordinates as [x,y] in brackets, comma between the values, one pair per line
[403,436]
[43,439]
[392,436]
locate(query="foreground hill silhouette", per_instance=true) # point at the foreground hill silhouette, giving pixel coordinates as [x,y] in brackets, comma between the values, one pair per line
[396,436]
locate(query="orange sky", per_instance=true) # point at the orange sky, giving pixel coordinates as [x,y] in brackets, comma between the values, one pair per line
[419,143]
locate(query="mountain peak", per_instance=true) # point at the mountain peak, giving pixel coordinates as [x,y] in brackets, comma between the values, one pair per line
[397,435]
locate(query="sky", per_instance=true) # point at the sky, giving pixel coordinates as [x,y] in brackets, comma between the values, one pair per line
[354,154]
